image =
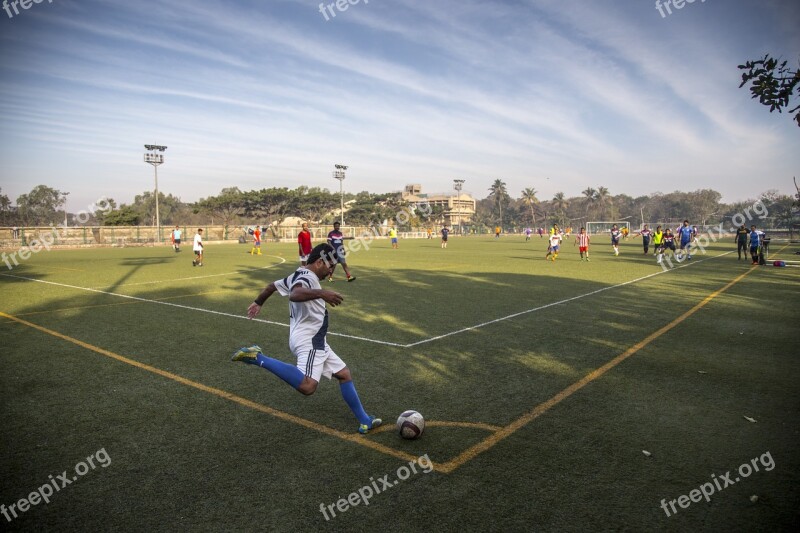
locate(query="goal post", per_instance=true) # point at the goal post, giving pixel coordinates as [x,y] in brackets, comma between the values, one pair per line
[602,227]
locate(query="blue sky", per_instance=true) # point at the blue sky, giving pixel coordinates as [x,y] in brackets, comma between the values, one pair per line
[555,95]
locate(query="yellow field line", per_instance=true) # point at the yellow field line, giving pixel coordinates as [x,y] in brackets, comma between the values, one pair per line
[349,437]
[499,433]
[492,440]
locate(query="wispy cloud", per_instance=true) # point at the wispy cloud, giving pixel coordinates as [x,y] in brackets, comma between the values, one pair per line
[253,93]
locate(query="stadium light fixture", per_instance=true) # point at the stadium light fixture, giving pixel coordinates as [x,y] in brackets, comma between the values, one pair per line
[339,175]
[155,158]
[65,209]
[458,185]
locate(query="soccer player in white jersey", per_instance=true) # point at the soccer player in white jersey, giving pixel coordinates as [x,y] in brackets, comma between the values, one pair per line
[197,246]
[615,235]
[308,327]
[555,243]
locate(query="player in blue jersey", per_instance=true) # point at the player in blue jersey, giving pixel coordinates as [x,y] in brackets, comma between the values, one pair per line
[645,234]
[336,239]
[685,235]
[445,233]
[308,327]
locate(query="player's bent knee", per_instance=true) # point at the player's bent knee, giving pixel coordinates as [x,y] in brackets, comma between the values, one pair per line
[308,386]
[344,375]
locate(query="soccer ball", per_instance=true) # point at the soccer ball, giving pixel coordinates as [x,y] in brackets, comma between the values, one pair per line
[410,424]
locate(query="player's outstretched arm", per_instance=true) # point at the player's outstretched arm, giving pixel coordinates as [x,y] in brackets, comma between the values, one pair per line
[304,294]
[255,307]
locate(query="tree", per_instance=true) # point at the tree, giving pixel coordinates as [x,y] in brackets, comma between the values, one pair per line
[311,204]
[228,205]
[40,206]
[783,211]
[560,204]
[5,208]
[499,194]
[168,207]
[126,215]
[432,214]
[274,203]
[706,204]
[590,197]
[797,195]
[529,199]
[772,83]
[601,199]
[369,210]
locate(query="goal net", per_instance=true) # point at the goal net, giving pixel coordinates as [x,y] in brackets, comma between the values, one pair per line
[598,228]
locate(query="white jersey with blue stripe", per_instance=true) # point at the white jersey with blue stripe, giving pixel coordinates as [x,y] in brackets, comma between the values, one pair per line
[308,321]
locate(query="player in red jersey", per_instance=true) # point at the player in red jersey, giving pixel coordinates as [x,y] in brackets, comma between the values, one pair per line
[256,241]
[582,240]
[304,244]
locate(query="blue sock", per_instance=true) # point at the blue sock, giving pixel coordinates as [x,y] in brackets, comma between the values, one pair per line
[351,397]
[288,373]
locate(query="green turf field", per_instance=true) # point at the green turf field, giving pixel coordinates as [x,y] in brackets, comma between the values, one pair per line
[543,384]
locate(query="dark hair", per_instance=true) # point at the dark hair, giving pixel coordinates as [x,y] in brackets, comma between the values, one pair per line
[323,251]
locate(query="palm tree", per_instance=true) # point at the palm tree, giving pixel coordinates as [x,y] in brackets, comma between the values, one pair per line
[602,198]
[529,199]
[560,201]
[589,199]
[499,192]
[560,204]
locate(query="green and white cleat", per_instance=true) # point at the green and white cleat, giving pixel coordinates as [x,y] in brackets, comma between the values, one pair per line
[247,355]
[374,423]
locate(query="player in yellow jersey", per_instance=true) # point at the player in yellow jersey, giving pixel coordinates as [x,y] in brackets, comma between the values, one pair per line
[658,240]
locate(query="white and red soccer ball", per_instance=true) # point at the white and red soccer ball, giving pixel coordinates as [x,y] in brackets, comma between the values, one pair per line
[410,424]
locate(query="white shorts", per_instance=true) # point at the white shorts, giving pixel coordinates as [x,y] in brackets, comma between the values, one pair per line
[315,363]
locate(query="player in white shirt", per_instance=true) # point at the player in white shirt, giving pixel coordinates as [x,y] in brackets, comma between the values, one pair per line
[308,326]
[198,248]
[555,243]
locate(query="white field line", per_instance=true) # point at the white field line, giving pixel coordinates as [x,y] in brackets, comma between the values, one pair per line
[365,339]
[514,315]
[187,307]
[176,280]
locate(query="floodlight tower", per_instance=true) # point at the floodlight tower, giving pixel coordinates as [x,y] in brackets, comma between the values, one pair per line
[66,224]
[339,175]
[154,158]
[457,185]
